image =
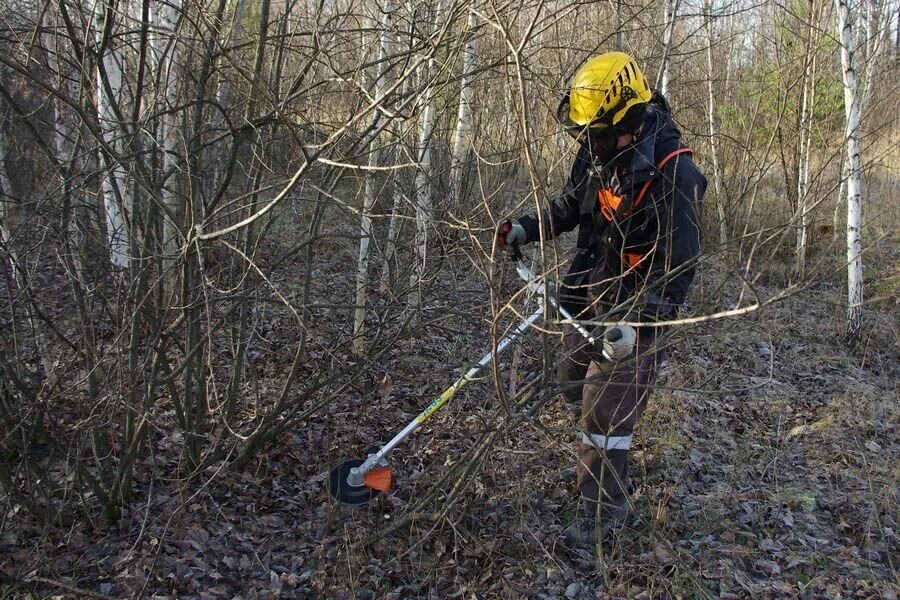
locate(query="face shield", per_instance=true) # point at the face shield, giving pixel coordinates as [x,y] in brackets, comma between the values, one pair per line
[598,136]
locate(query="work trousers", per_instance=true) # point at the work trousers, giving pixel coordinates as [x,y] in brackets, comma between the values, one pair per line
[613,396]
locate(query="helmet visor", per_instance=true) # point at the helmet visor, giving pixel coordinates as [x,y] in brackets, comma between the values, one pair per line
[599,137]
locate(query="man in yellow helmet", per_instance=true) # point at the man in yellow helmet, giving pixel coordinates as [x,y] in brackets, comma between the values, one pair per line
[634,193]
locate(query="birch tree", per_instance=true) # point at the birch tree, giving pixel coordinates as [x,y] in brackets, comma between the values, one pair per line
[711,114]
[223,90]
[167,55]
[6,193]
[371,190]
[847,37]
[808,93]
[423,189]
[464,113]
[671,15]
[110,101]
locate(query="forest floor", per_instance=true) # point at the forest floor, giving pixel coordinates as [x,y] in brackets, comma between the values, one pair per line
[766,466]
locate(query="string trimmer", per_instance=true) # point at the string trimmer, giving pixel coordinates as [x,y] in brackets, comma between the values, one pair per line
[356,481]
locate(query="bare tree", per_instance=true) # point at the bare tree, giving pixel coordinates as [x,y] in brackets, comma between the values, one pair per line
[167,55]
[713,139]
[671,16]
[366,231]
[423,179]
[847,36]
[808,94]
[464,114]
[111,100]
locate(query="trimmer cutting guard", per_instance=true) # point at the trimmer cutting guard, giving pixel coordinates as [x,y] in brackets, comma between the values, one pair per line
[353,495]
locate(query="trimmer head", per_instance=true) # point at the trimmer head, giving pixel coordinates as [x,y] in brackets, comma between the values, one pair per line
[376,481]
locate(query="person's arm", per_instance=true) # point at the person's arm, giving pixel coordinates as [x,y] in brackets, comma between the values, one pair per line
[563,213]
[675,260]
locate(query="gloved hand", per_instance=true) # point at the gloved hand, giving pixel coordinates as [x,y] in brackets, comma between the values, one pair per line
[618,342]
[510,233]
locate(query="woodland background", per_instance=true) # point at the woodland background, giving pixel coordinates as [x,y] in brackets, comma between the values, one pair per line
[243,241]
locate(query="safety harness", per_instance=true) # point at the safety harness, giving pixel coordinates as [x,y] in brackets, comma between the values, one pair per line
[614,207]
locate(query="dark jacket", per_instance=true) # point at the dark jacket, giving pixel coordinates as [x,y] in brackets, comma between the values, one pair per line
[664,228]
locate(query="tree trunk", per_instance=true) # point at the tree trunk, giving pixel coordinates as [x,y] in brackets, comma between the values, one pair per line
[6,199]
[223,96]
[370,195]
[713,144]
[808,83]
[423,190]
[464,114]
[662,79]
[110,97]
[168,57]
[619,25]
[854,176]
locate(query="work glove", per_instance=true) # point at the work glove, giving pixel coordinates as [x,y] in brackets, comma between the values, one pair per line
[618,342]
[511,234]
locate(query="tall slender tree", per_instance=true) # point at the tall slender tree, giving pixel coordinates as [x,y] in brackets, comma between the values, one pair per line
[807,97]
[366,230]
[464,112]
[168,60]
[711,116]
[671,16]
[847,37]
[423,179]
[111,99]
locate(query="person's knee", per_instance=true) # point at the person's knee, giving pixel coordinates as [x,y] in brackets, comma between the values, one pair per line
[606,409]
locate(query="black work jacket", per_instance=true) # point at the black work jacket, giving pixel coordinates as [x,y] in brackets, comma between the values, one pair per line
[663,229]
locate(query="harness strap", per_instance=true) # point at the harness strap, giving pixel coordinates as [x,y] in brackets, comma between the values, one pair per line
[636,260]
[613,206]
[640,197]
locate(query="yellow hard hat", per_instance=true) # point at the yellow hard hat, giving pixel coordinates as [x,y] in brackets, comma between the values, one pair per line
[603,93]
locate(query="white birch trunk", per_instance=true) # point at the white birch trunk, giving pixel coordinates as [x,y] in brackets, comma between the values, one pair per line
[854,178]
[369,197]
[223,91]
[110,95]
[803,169]
[619,25]
[423,201]
[167,53]
[423,189]
[390,245]
[805,138]
[464,113]
[713,143]
[6,200]
[671,15]
[6,192]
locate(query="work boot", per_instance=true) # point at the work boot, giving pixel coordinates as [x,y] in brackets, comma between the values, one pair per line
[588,529]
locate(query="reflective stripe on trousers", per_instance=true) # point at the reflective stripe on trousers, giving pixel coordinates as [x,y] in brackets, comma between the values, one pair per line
[603,442]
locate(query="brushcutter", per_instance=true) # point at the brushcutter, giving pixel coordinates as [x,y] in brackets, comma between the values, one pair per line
[357,481]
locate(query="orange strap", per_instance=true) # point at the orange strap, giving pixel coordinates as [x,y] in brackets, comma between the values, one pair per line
[609,202]
[633,260]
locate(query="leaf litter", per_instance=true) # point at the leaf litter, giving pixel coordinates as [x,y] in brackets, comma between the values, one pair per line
[763,468]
